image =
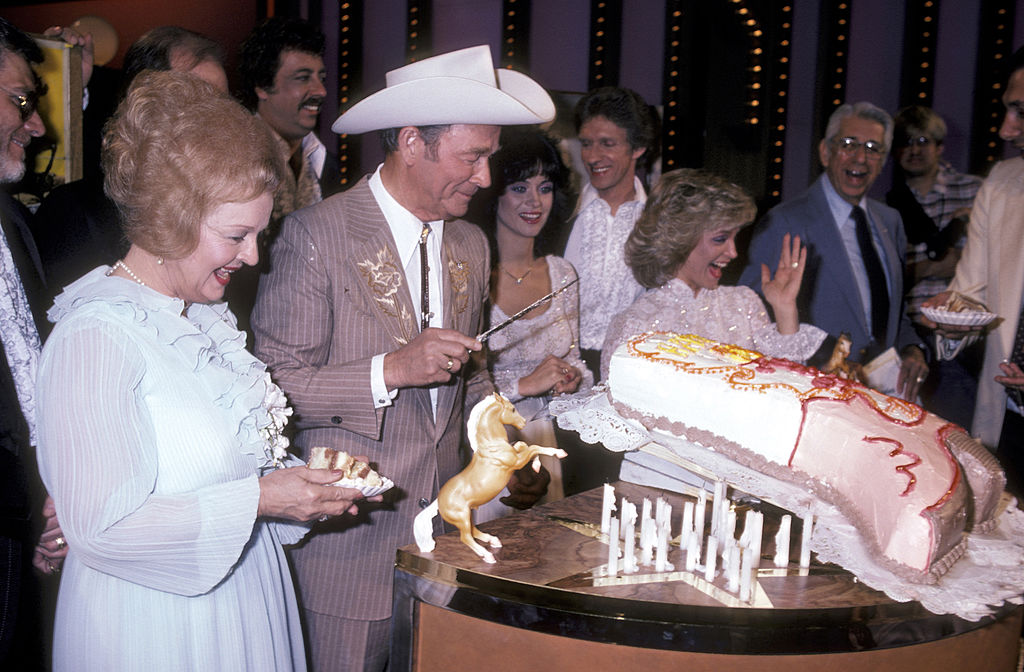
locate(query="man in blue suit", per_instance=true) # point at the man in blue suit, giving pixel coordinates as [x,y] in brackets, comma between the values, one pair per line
[856,246]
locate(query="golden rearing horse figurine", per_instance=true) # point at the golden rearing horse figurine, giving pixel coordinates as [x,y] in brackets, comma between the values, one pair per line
[494,459]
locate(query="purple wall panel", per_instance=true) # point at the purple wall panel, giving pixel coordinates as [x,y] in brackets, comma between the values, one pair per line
[466,23]
[559,42]
[643,51]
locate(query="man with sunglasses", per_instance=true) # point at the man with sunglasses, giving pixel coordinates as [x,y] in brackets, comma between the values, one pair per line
[856,247]
[22,319]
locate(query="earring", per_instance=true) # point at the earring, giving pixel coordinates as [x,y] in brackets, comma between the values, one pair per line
[159,261]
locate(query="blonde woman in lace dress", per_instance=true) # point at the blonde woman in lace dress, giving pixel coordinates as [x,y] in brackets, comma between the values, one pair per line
[679,248]
[537,356]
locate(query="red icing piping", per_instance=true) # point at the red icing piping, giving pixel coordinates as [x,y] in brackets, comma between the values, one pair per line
[905,468]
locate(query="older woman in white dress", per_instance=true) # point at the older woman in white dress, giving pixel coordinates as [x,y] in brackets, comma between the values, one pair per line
[159,433]
[680,247]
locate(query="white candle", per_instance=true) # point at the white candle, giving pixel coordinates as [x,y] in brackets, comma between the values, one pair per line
[729,529]
[628,525]
[731,568]
[698,516]
[613,547]
[647,535]
[748,527]
[710,559]
[716,509]
[692,553]
[755,538]
[607,506]
[782,542]
[687,530]
[805,542]
[746,574]
[664,516]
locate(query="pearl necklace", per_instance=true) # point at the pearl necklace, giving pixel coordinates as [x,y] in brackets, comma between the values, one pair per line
[124,266]
[518,280]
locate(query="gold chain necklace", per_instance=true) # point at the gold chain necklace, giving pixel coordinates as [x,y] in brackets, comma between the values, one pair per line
[518,280]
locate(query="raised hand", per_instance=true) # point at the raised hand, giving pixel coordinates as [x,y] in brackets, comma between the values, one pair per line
[781,291]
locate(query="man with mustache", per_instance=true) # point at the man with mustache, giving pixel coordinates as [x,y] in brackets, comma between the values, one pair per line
[856,247]
[283,74]
[282,71]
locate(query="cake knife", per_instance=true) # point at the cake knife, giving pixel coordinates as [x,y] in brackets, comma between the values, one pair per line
[498,327]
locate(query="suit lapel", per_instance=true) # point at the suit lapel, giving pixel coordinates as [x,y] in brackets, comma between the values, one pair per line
[456,280]
[26,258]
[378,267]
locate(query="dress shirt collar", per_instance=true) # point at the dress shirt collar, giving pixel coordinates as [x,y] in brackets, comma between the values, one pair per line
[589,195]
[314,152]
[405,226]
[840,207]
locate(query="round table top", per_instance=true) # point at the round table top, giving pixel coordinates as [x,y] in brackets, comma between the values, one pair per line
[544,579]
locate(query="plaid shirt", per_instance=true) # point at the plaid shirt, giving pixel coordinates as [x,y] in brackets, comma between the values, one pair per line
[951,192]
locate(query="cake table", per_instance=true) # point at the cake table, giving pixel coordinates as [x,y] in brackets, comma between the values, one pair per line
[537,608]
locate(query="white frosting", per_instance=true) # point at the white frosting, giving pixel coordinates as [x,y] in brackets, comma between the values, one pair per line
[883,459]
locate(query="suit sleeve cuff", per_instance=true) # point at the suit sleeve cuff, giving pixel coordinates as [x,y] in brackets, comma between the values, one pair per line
[382,397]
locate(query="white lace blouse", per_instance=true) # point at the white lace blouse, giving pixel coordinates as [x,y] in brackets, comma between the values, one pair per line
[733,315]
[516,350]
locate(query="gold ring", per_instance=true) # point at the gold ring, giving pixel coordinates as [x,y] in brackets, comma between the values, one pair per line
[449,365]
[54,569]
[61,543]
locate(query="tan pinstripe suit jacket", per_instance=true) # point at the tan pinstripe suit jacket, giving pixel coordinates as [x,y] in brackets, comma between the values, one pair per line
[336,296]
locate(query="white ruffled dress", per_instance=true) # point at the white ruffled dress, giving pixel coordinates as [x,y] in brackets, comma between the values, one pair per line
[150,445]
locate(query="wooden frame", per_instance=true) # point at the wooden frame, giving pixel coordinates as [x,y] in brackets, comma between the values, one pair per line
[61,111]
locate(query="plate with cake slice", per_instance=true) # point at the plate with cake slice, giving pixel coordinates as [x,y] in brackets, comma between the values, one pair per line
[959,310]
[964,318]
[357,474]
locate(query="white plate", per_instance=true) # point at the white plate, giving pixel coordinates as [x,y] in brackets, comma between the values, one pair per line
[966,318]
[367,490]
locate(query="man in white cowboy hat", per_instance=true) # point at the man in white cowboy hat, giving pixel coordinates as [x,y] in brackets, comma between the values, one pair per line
[367,319]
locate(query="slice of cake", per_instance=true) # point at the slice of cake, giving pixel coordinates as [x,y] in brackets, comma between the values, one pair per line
[353,470]
[890,466]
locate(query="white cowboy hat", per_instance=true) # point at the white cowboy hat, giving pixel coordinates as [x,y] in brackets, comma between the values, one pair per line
[454,88]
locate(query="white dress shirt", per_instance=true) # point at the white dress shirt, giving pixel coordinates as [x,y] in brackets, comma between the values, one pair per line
[405,229]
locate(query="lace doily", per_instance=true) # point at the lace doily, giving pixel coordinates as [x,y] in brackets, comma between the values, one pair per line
[990,573]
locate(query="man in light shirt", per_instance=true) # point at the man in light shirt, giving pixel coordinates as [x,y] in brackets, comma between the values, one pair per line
[990,271]
[616,128]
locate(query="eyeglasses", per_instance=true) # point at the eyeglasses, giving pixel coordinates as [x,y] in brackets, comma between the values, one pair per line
[27,103]
[919,141]
[850,146]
